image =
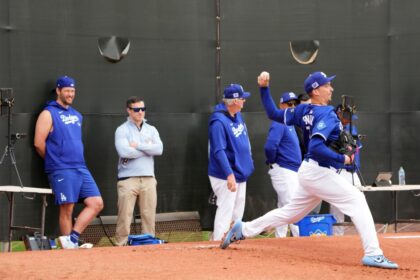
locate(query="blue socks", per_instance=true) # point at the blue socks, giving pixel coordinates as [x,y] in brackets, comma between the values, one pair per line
[74,237]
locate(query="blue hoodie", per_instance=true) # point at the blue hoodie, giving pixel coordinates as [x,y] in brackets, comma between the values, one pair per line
[64,147]
[230,149]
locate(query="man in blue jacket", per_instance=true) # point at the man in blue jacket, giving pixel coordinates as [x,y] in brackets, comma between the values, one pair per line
[58,140]
[284,158]
[230,159]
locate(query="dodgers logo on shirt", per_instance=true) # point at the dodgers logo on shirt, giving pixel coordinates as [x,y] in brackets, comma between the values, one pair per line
[237,131]
[321,125]
[70,119]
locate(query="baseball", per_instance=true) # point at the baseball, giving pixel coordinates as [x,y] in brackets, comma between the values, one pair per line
[265,75]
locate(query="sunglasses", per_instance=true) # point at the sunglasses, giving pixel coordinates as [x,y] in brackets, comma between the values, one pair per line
[291,104]
[138,109]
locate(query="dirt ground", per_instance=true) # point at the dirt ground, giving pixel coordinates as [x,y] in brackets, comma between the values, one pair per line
[270,258]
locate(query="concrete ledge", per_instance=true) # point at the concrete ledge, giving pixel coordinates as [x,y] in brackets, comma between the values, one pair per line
[160,217]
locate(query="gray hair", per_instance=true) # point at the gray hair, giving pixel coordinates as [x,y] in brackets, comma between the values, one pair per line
[228,101]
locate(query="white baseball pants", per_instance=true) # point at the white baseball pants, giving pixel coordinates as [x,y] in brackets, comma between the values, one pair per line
[284,181]
[230,206]
[319,183]
[339,216]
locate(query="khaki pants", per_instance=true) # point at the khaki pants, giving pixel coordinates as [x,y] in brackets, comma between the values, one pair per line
[128,190]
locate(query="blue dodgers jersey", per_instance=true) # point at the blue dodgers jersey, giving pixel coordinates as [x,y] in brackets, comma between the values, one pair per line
[315,120]
[230,149]
[64,147]
[282,146]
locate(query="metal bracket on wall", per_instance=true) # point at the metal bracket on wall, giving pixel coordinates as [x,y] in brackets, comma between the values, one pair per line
[113,48]
[304,51]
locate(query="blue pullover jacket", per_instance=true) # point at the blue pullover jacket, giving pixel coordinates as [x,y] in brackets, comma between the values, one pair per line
[230,149]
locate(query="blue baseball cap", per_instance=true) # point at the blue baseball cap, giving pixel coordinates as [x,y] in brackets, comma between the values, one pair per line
[288,96]
[66,81]
[315,80]
[235,91]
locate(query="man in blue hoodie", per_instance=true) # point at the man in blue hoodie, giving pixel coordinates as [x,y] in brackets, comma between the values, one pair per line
[284,157]
[230,159]
[58,140]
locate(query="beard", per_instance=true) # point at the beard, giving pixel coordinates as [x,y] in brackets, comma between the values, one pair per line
[66,100]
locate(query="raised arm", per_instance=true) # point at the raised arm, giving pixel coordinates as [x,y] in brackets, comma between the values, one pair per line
[272,111]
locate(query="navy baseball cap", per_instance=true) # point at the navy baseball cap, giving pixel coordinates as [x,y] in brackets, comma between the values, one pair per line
[235,91]
[315,80]
[288,96]
[66,81]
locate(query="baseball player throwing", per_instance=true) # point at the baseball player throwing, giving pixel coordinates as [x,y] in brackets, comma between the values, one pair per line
[318,176]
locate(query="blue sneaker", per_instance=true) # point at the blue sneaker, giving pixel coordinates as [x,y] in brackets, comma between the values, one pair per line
[379,261]
[233,235]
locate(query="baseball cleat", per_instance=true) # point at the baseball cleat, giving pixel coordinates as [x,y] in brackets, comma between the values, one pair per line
[233,235]
[379,261]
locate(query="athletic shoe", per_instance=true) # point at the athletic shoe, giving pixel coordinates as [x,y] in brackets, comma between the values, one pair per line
[66,243]
[379,261]
[86,246]
[233,235]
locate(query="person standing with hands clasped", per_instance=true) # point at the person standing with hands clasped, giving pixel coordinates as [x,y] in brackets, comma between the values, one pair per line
[137,142]
[318,175]
[58,140]
[230,159]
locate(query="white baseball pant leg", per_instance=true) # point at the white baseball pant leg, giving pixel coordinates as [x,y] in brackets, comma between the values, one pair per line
[319,183]
[301,203]
[339,216]
[285,181]
[230,206]
[334,189]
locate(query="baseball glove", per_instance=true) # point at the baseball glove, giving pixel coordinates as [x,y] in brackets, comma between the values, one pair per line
[345,145]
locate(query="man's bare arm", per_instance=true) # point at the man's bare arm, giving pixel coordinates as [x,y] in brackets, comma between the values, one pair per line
[43,127]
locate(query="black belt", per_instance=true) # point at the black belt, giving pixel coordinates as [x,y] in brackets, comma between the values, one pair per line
[125,178]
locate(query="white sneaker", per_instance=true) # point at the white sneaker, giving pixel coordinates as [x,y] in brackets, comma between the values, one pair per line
[86,246]
[66,243]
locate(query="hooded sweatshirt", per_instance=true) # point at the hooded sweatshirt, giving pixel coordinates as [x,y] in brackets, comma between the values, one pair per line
[230,149]
[64,146]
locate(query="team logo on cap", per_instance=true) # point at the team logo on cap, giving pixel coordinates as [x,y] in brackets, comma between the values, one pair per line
[315,85]
[235,94]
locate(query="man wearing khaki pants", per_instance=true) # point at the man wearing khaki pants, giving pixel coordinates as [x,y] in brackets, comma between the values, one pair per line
[137,142]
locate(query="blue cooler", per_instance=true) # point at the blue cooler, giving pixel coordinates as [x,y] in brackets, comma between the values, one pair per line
[316,225]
